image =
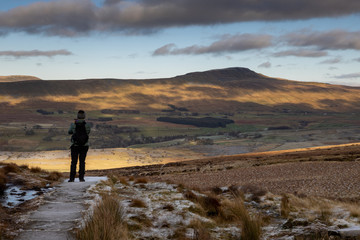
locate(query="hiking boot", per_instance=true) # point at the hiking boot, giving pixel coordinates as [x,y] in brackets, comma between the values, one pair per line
[71,180]
[82,180]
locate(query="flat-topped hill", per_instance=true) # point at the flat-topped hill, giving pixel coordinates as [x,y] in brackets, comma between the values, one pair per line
[17,78]
[231,89]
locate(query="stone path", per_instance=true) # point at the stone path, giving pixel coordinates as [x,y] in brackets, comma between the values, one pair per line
[60,212]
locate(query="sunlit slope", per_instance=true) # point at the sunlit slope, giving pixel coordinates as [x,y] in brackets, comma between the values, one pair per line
[16,78]
[232,89]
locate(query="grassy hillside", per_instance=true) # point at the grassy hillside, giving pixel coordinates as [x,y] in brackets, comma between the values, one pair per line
[17,78]
[233,89]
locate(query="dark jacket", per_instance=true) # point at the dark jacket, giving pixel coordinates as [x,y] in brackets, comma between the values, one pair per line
[72,130]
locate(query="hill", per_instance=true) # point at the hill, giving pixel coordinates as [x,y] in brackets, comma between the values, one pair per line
[231,89]
[17,78]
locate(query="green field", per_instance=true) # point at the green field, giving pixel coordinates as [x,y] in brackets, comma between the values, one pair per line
[50,132]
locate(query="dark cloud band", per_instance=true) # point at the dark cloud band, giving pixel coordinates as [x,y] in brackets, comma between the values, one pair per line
[60,18]
[79,17]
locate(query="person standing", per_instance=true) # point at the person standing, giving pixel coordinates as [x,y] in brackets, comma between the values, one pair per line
[80,131]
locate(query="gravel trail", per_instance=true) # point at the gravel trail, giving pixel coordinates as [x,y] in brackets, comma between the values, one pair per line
[60,213]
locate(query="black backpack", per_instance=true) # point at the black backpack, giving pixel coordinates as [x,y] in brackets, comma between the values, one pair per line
[80,137]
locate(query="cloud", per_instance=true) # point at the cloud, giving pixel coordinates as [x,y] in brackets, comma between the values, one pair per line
[265,65]
[226,44]
[316,44]
[165,13]
[35,53]
[346,76]
[332,61]
[357,59]
[308,44]
[164,50]
[60,18]
[331,40]
[301,53]
[79,17]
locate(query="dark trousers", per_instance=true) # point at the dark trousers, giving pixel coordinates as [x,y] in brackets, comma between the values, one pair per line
[78,152]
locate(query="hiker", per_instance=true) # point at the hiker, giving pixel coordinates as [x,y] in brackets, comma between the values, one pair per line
[79,145]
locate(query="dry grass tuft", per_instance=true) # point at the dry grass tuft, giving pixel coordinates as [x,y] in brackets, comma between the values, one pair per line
[123,181]
[24,166]
[138,203]
[35,170]
[312,208]
[142,180]
[324,212]
[251,226]
[11,167]
[325,215]
[180,234]
[107,222]
[354,211]
[236,192]
[217,190]
[180,187]
[352,207]
[211,205]
[190,195]
[197,209]
[255,192]
[285,206]
[54,176]
[200,230]
[112,179]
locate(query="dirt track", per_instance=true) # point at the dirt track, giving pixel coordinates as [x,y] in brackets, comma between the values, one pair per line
[332,172]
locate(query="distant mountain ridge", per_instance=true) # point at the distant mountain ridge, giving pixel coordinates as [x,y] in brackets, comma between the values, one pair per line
[17,78]
[230,89]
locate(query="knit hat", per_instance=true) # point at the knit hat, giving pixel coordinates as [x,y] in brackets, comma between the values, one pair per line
[81,114]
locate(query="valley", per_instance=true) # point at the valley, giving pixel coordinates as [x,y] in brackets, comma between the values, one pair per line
[225,107]
[223,132]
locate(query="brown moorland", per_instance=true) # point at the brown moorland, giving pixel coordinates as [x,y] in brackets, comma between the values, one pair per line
[331,172]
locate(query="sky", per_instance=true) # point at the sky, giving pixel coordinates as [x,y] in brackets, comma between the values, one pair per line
[303,40]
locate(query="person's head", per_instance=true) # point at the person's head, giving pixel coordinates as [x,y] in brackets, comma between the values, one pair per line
[81,114]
